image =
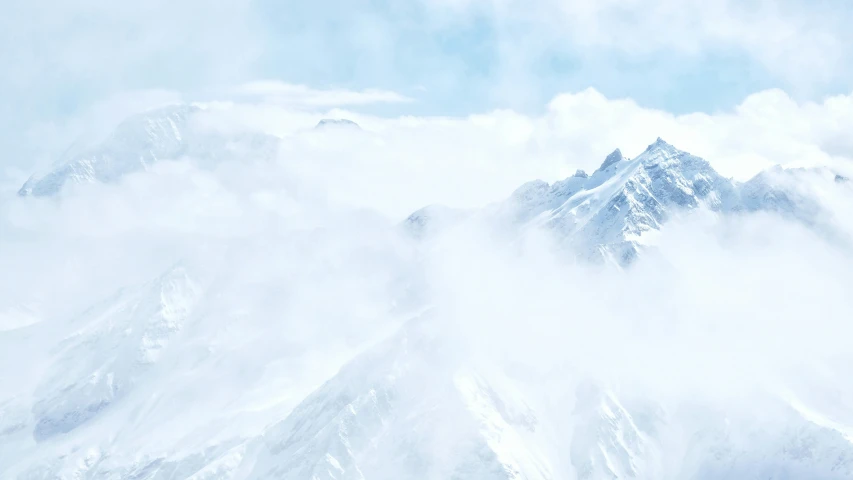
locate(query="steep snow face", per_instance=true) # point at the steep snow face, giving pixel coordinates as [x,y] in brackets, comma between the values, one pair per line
[414,407]
[137,143]
[779,443]
[174,377]
[93,367]
[99,358]
[608,442]
[406,409]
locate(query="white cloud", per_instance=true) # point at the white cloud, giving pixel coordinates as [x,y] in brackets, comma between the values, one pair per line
[296,272]
[394,166]
[397,164]
[805,43]
[301,95]
[728,307]
[295,275]
[102,43]
[767,128]
[63,59]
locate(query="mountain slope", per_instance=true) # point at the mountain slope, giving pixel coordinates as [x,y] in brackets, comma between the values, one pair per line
[404,410]
[415,407]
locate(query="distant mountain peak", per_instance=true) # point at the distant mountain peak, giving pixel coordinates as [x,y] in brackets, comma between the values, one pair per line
[337,122]
[581,173]
[136,142]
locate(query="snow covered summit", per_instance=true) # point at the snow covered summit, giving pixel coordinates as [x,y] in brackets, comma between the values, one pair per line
[610,214]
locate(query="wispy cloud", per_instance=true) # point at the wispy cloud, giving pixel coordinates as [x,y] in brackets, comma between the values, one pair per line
[296,258]
[278,92]
[802,42]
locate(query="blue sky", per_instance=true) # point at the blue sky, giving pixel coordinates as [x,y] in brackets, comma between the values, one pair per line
[453,57]
[459,56]
[477,61]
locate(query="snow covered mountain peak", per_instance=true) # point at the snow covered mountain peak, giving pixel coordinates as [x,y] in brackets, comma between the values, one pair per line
[337,122]
[135,143]
[167,133]
[613,214]
[607,216]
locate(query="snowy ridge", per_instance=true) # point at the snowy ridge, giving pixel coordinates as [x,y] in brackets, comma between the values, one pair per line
[81,384]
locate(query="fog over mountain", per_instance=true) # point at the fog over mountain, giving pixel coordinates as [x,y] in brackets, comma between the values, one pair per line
[192,297]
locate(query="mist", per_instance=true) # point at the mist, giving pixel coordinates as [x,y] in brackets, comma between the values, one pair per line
[276,277]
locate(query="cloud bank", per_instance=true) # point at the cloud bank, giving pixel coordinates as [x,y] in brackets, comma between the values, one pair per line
[472,160]
[295,263]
